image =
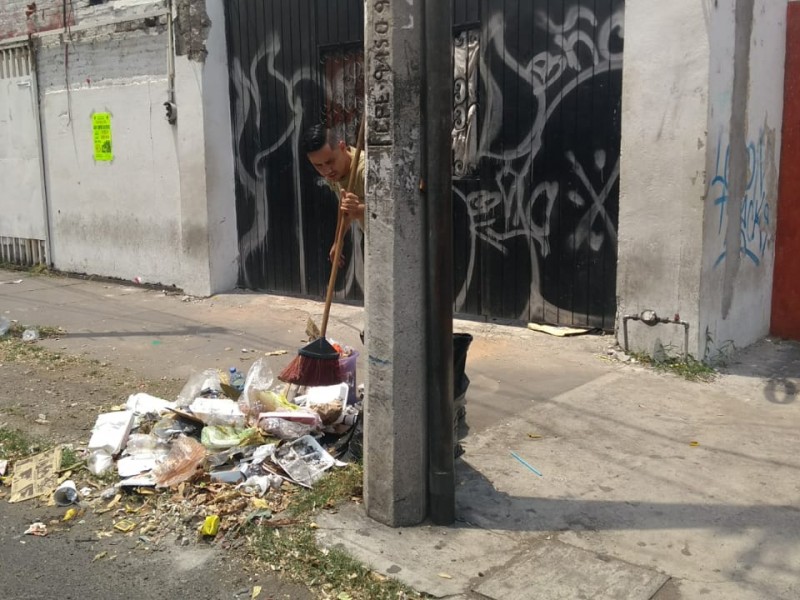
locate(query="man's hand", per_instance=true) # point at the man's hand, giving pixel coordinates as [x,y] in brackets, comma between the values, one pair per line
[352,207]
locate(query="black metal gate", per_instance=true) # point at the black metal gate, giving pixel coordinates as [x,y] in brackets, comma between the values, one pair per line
[536,150]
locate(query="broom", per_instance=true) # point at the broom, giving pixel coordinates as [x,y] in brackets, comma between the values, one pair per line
[318,362]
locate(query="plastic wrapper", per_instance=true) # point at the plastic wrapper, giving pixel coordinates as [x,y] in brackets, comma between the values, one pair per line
[169,426]
[289,425]
[221,437]
[260,484]
[327,401]
[259,395]
[283,429]
[217,411]
[262,453]
[181,463]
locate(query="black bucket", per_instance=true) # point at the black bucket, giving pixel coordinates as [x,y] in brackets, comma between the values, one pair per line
[461,342]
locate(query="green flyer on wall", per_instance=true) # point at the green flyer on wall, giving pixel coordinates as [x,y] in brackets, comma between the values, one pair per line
[101,129]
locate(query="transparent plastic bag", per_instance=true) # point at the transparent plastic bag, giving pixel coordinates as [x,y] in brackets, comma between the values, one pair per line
[283,428]
[182,462]
[260,394]
[206,384]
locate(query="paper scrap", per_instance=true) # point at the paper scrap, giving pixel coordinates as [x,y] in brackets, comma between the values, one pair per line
[35,476]
[38,529]
[559,331]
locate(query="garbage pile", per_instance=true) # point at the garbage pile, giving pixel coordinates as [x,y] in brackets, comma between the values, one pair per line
[236,429]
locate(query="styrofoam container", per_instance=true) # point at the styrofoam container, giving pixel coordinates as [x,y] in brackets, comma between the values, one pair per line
[110,431]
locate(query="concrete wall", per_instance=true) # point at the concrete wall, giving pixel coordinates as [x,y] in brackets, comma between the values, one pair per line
[662,184]
[163,209]
[18,18]
[118,218]
[21,200]
[746,91]
[701,138]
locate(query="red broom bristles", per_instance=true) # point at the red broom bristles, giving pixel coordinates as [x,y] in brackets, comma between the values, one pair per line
[315,364]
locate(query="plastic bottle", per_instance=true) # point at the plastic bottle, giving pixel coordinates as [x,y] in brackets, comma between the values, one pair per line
[236,379]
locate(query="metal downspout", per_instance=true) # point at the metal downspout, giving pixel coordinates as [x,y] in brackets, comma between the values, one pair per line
[437,107]
[48,243]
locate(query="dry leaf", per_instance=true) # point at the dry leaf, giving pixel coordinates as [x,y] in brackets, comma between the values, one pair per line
[99,555]
[445,576]
[256,592]
[260,503]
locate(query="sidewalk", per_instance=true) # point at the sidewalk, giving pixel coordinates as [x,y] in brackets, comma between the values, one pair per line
[626,507]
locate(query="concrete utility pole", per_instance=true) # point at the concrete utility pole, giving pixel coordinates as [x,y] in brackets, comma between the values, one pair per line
[408,438]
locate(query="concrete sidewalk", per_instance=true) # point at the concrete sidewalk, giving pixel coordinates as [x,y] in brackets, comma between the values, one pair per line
[650,486]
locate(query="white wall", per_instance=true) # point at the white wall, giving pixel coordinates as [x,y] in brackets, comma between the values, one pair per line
[121,218]
[209,243]
[662,184]
[21,201]
[702,113]
[219,166]
[745,119]
[164,209]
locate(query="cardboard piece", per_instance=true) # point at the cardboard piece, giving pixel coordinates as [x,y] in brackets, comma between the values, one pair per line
[559,331]
[35,476]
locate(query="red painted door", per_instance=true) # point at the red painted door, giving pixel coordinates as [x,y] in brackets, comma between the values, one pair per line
[786,283]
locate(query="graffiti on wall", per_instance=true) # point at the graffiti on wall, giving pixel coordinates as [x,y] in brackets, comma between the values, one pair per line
[342,105]
[517,203]
[522,185]
[754,217]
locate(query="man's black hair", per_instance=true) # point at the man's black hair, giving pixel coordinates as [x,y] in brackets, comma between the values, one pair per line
[316,136]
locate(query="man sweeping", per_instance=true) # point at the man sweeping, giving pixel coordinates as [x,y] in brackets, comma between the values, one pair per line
[333,159]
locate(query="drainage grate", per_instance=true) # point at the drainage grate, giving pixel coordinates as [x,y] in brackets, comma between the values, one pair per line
[21,251]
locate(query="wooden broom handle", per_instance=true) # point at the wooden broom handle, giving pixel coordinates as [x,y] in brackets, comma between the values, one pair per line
[340,231]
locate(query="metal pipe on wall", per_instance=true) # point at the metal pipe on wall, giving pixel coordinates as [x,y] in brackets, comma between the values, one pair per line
[48,230]
[437,107]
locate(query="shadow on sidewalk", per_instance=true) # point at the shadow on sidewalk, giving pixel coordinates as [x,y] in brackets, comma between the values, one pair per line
[480,504]
[172,332]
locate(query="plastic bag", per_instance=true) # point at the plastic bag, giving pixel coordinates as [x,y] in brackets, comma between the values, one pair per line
[217,411]
[283,428]
[260,484]
[181,463]
[222,437]
[99,462]
[206,384]
[258,395]
[168,427]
